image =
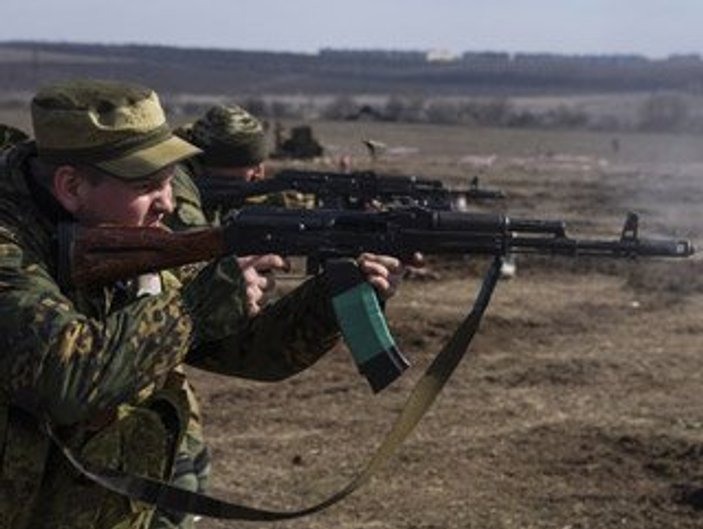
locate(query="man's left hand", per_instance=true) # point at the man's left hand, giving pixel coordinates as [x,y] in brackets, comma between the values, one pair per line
[383,272]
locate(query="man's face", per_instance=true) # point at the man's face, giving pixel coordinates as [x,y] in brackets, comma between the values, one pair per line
[250,173]
[111,200]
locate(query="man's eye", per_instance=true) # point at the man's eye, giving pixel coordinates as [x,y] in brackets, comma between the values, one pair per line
[143,187]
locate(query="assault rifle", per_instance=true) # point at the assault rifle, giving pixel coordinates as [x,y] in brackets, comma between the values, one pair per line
[104,255]
[343,190]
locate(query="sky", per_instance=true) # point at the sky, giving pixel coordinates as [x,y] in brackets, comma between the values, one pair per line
[654,28]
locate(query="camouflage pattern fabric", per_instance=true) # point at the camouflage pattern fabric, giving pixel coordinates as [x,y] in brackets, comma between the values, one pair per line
[67,355]
[309,305]
[285,199]
[229,137]
[10,136]
[191,473]
[192,466]
[188,208]
[118,127]
[188,211]
[102,365]
[297,200]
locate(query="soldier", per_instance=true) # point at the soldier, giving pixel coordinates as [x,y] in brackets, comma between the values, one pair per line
[233,143]
[234,146]
[102,367]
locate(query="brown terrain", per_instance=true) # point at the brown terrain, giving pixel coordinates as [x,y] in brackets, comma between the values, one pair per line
[579,404]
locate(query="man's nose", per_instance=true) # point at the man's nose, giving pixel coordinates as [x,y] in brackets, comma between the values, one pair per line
[164,199]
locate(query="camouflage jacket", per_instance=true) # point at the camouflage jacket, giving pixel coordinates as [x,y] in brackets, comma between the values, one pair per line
[188,210]
[102,365]
[190,213]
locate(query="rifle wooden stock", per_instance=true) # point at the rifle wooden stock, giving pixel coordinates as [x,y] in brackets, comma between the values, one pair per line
[104,254]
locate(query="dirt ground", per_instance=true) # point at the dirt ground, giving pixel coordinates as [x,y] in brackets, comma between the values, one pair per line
[579,404]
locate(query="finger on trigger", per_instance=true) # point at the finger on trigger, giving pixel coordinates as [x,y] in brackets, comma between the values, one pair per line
[374,269]
[270,262]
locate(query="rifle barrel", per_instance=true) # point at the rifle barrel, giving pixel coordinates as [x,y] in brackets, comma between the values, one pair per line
[108,254]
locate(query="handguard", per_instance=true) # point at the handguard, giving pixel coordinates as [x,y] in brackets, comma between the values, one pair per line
[363,325]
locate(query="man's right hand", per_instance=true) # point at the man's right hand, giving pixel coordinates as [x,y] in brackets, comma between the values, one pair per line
[257,271]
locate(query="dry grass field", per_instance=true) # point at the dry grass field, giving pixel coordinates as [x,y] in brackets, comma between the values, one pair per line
[580,405]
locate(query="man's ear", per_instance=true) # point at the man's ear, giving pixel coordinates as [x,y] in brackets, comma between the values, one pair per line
[68,187]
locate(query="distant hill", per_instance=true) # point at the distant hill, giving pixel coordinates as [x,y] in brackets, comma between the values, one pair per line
[173,70]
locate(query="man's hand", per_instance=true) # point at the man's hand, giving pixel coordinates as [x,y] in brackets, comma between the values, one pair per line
[257,271]
[384,272]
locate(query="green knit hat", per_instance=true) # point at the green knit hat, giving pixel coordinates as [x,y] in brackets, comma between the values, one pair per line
[117,127]
[229,137]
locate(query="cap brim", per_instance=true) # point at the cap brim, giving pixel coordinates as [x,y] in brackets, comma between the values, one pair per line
[140,164]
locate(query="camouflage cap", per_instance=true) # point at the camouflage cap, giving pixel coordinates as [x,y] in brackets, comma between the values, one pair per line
[229,137]
[117,127]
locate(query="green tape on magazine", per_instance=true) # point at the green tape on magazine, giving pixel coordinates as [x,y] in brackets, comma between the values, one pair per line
[367,335]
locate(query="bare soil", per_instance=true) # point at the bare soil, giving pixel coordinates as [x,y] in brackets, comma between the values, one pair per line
[579,404]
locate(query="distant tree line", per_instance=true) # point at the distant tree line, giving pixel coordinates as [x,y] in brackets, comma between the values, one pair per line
[666,112]
[475,90]
[25,65]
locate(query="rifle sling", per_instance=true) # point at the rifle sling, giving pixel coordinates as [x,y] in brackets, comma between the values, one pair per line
[424,393]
